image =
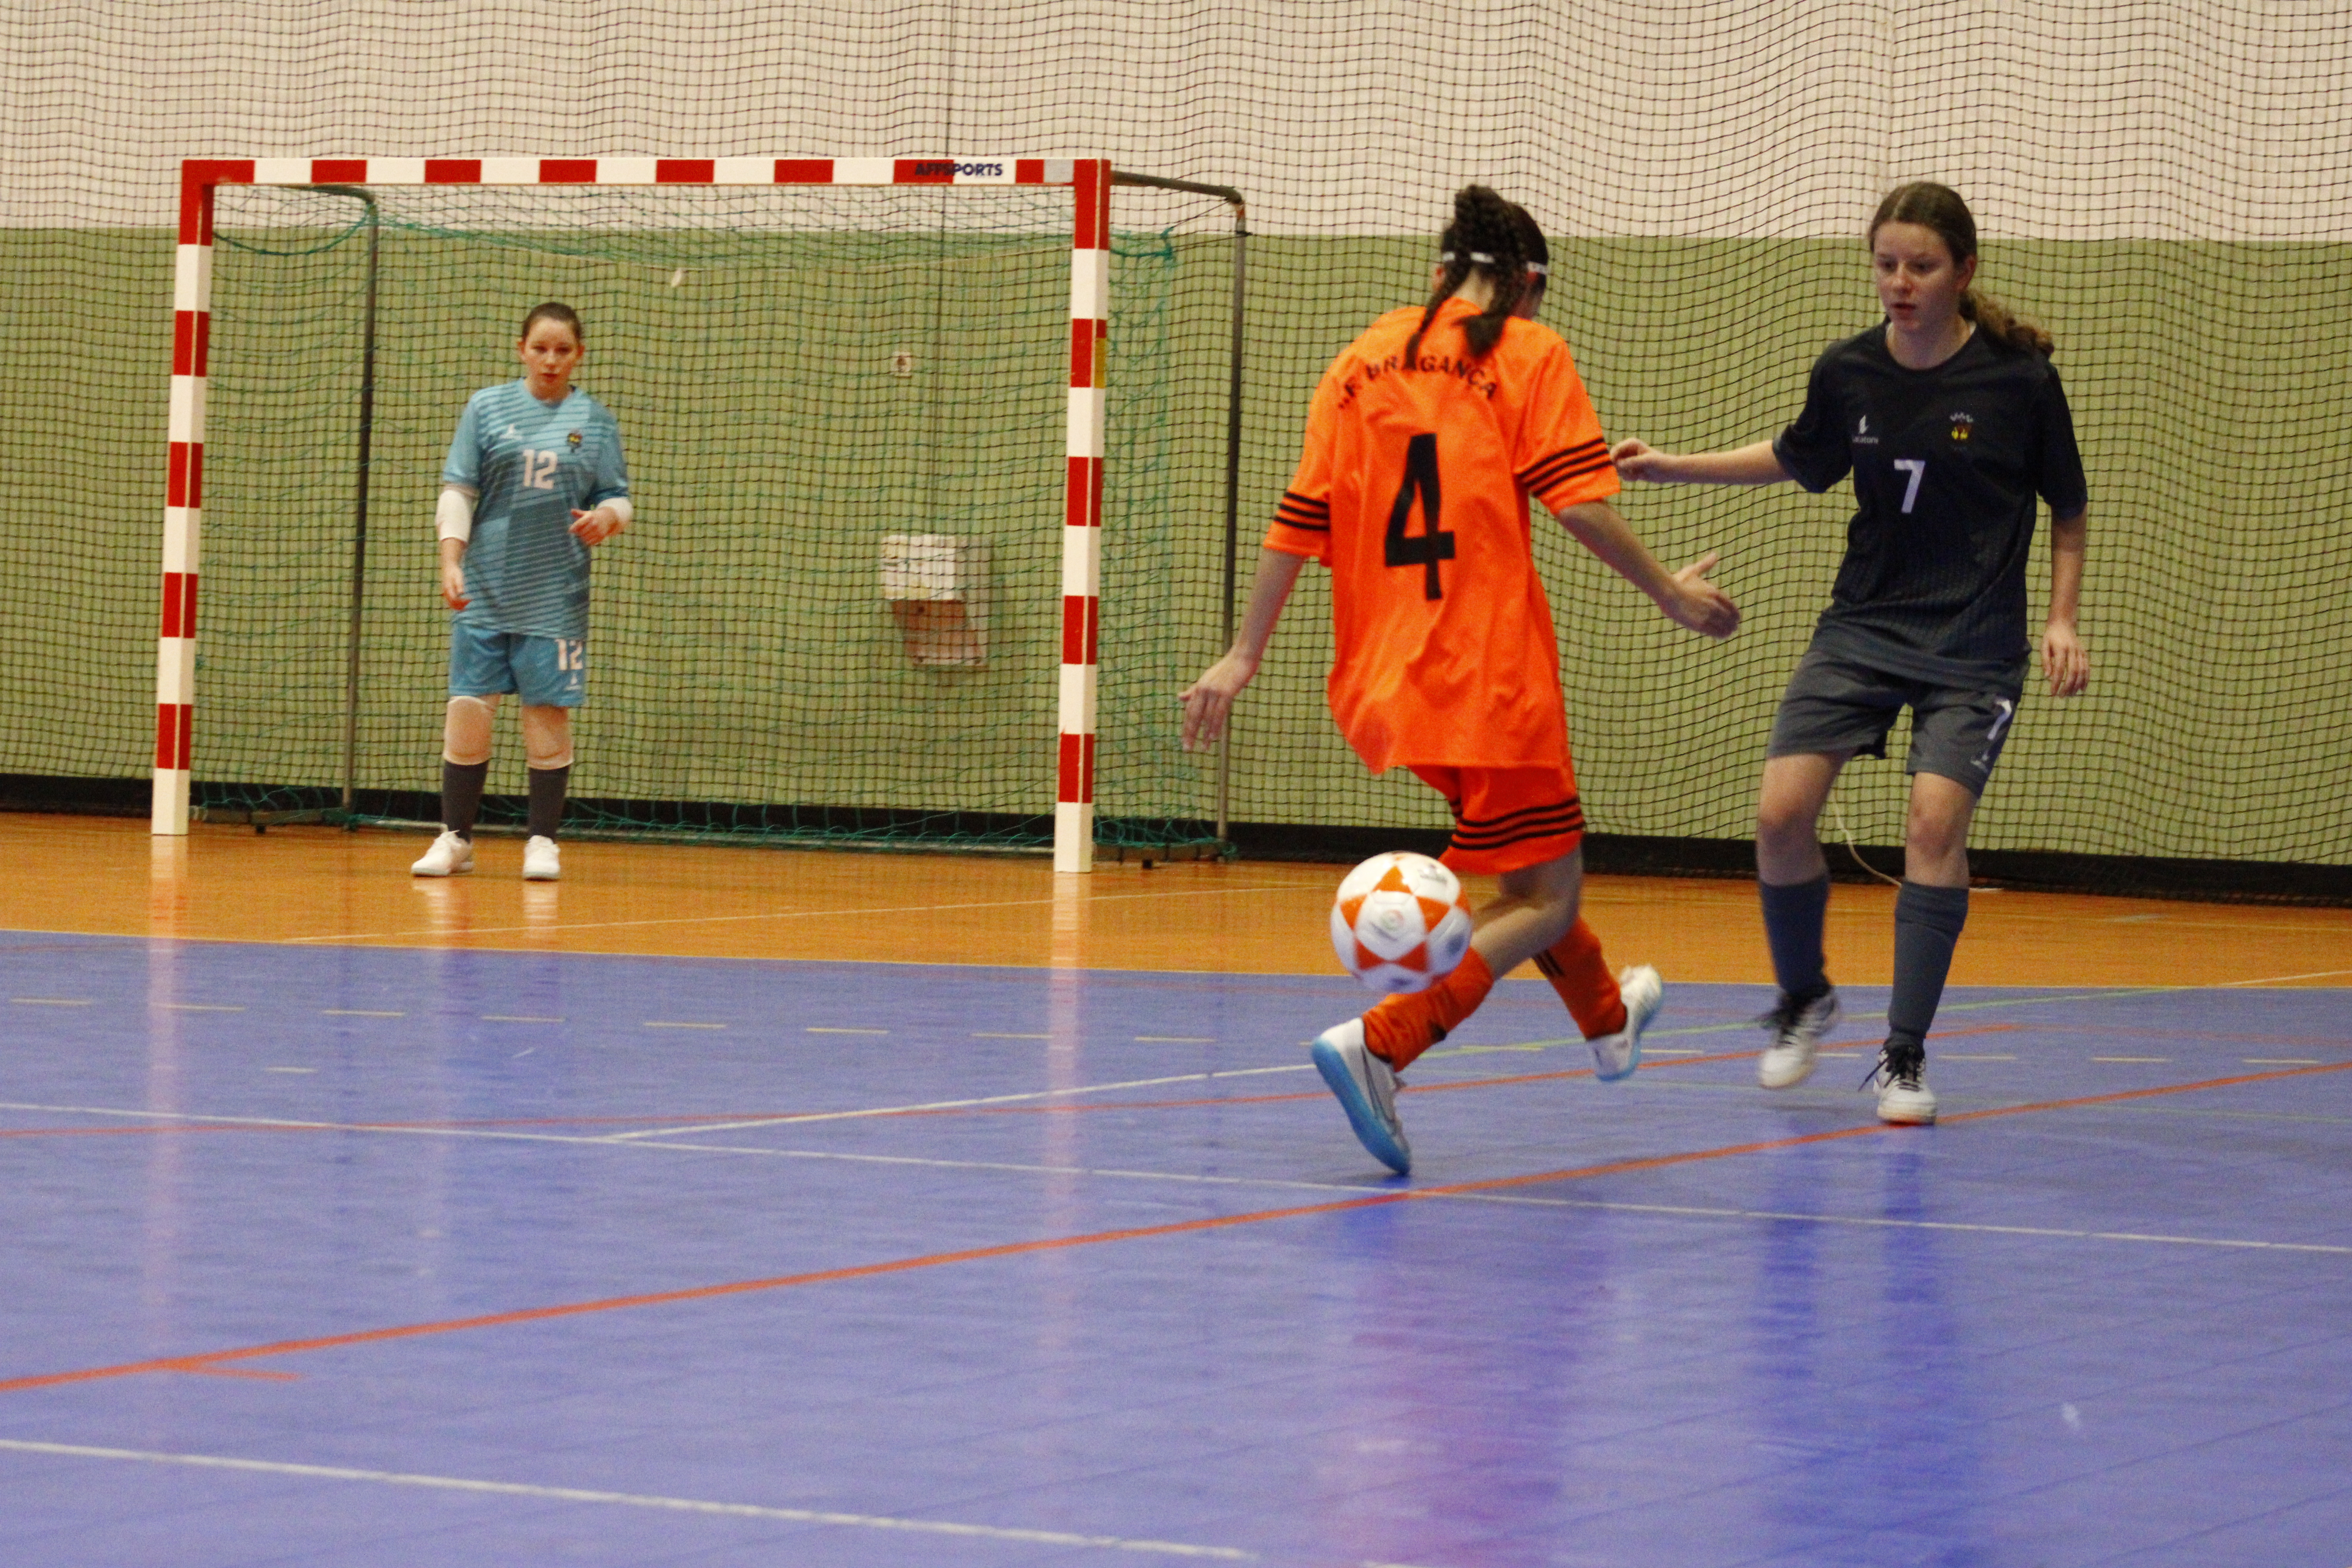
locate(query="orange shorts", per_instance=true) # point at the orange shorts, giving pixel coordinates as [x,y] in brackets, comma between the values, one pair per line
[1507,819]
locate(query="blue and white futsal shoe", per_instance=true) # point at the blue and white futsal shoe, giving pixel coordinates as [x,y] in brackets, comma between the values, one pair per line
[1365,1088]
[1615,1056]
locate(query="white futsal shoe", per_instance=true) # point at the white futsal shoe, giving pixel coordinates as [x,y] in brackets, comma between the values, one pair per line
[449,856]
[1901,1078]
[1366,1087]
[542,862]
[1797,1030]
[1615,1056]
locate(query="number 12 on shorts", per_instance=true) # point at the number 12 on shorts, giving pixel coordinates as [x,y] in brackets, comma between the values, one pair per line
[571,653]
[1917,468]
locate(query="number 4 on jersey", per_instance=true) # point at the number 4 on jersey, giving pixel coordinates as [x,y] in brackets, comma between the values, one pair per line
[1432,544]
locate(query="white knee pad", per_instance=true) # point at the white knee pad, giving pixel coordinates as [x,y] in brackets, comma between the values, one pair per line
[466,733]
[547,737]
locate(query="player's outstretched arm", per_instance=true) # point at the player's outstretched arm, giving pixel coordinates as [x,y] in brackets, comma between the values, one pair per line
[1749,465]
[2064,662]
[1686,597]
[1208,700]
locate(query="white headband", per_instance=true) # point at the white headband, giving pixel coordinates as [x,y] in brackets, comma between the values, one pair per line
[1446,258]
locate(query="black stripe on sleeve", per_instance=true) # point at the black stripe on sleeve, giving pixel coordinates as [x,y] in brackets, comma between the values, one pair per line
[1305,513]
[1590,457]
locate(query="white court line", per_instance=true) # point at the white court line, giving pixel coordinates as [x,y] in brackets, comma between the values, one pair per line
[634,1500]
[790,915]
[1875,1223]
[798,1117]
[1184,1178]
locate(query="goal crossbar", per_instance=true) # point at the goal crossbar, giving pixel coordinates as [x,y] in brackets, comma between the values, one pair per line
[1089,180]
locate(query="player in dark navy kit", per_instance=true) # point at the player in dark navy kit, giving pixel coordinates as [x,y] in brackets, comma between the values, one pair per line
[1951,420]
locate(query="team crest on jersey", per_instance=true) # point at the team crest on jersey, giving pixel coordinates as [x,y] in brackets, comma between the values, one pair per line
[1961,425]
[574,439]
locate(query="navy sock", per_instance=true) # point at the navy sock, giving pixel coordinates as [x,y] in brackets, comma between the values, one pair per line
[461,795]
[1794,915]
[1927,922]
[547,786]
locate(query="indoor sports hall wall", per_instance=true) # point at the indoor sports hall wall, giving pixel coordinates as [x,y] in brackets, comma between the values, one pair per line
[2164,185]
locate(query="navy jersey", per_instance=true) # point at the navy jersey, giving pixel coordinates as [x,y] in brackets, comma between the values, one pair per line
[530,464]
[1947,465]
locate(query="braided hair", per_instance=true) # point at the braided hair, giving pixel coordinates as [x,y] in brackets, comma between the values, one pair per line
[1940,210]
[1498,238]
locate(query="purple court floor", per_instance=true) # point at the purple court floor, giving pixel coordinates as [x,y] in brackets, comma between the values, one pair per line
[354,1258]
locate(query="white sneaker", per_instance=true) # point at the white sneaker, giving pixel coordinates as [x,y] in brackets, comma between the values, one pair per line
[449,855]
[542,862]
[1365,1087]
[1904,1097]
[1616,1056]
[1797,1030]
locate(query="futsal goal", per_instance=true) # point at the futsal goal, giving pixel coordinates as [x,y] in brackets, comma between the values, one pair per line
[931,463]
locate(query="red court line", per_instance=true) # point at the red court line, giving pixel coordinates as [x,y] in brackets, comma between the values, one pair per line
[209,1361]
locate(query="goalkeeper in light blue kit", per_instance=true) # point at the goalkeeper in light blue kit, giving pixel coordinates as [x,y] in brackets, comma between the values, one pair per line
[535,477]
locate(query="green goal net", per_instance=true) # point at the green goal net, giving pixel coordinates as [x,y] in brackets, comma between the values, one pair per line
[806,379]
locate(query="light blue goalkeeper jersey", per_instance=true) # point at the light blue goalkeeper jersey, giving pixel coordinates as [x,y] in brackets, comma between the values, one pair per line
[531,463]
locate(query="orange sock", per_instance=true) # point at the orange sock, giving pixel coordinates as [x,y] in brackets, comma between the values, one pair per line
[1399,1029]
[1577,971]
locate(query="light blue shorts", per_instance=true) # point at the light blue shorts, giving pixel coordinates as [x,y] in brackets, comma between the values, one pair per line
[547,672]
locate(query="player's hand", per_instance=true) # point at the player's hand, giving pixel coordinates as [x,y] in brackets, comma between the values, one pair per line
[2063,661]
[453,585]
[1208,700]
[594,527]
[1640,460]
[1698,605]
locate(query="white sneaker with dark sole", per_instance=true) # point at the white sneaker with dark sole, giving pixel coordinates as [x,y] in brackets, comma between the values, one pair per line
[449,856]
[1365,1087]
[540,861]
[1901,1078]
[1797,1030]
[1614,1057]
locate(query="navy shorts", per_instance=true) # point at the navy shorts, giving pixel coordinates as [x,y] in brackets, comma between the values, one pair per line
[547,672]
[1836,702]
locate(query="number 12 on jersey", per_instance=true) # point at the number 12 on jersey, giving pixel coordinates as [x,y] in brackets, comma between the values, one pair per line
[1432,544]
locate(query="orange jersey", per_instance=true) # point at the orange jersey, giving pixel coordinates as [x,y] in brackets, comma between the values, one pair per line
[1414,490]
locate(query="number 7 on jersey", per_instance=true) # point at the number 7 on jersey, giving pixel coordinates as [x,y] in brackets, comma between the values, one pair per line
[1917,468]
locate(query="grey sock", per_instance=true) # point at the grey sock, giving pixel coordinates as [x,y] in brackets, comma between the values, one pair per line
[547,786]
[461,795]
[1927,922]
[1794,913]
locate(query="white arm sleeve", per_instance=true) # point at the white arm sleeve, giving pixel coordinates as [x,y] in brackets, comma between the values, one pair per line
[455,514]
[620,508]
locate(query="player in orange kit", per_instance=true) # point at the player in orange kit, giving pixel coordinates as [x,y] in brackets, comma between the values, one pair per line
[1426,439]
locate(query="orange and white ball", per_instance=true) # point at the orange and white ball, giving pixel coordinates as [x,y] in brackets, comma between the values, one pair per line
[1400,922]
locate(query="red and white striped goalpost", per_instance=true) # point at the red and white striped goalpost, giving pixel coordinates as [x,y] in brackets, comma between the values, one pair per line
[1089,180]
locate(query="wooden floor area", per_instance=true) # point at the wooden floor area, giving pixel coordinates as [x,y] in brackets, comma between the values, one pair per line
[319,884]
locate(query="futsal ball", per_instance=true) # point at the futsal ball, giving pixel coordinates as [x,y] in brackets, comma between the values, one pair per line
[1400,922]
